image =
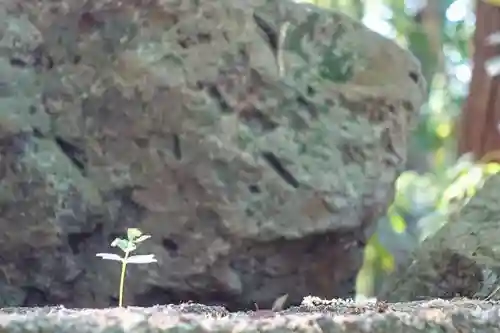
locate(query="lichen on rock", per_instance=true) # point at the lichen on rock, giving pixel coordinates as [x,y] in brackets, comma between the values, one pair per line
[257,141]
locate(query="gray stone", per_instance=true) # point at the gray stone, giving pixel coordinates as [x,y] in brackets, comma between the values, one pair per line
[257,141]
[462,258]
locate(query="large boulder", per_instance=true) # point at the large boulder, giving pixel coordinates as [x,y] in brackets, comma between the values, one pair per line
[257,141]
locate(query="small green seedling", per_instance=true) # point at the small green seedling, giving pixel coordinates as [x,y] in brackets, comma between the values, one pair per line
[134,237]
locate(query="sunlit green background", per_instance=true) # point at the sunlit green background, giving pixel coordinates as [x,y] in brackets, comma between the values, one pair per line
[435,175]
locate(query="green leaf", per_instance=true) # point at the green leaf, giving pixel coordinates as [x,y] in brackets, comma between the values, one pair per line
[141,238]
[142,259]
[397,222]
[109,256]
[133,233]
[116,241]
[385,259]
[124,245]
[491,168]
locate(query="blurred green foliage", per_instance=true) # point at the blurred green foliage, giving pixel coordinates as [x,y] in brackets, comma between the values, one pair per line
[439,34]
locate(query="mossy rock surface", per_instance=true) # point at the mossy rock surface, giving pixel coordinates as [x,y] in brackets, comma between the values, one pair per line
[257,141]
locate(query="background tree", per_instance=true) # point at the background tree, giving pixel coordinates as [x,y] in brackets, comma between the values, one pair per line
[478,131]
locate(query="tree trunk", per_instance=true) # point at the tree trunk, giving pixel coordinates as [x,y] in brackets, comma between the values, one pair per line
[478,131]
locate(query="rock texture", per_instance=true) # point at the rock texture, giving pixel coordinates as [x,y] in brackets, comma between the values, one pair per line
[257,141]
[460,315]
[461,259]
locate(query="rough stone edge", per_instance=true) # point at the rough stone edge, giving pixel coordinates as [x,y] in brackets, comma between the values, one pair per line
[437,315]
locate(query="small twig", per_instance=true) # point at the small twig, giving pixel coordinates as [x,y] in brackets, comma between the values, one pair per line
[279,303]
[492,293]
